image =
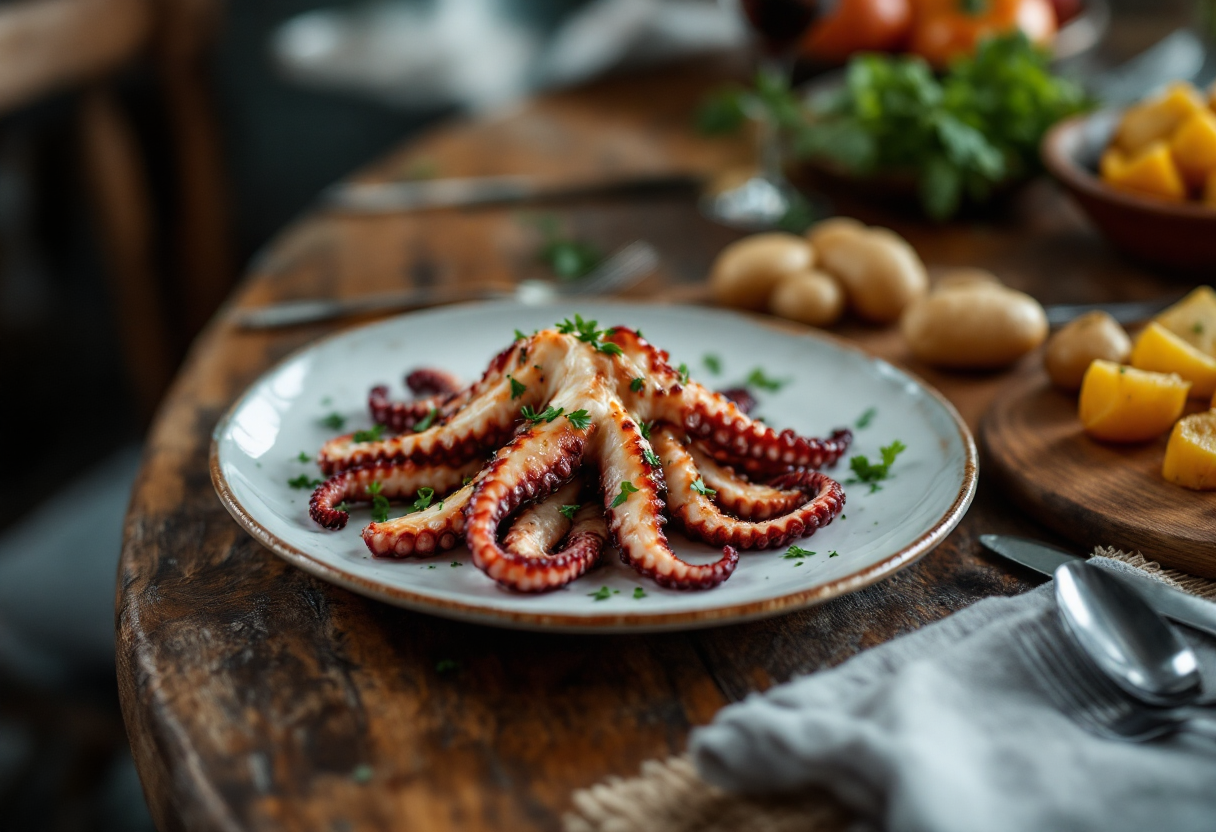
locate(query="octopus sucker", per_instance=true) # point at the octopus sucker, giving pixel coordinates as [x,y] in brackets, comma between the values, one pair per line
[573,438]
[394,482]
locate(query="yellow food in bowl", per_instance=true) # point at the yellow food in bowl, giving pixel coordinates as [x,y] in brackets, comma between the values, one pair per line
[1162,351]
[1165,147]
[1193,319]
[1190,455]
[1123,404]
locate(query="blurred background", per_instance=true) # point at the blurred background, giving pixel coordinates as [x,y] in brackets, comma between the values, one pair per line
[148,150]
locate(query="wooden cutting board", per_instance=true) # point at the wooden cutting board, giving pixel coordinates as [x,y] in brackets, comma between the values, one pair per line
[1091,492]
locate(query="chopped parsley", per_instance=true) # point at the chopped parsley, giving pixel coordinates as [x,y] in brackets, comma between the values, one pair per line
[303,481]
[627,488]
[651,457]
[757,378]
[446,665]
[371,435]
[645,428]
[701,488]
[713,363]
[797,552]
[580,419]
[303,457]
[455,563]
[342,506]
[863,421]
[426,421]
[547,415]
[601,594]
[379,503]
[425,495]
[519,336]
[637,384]
[466,481]
[568,511]
[683,371]
[833,554]
[638,592]
[517,389]
[874,472]
[334,421]
[586,332]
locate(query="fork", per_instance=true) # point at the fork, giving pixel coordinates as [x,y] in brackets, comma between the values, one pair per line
[622,269]
[1075,685]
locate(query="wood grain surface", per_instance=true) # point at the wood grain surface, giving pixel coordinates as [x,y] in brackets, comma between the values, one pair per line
[1094,492]
[257,697]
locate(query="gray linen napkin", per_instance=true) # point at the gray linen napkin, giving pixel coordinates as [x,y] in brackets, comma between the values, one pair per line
[946,730]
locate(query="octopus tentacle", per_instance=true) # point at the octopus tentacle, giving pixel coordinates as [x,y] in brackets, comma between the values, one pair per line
[741,497]
[397,416]
[428,382]
[741,396]
[541,526]
[397,482]
[531,466]
[702,519]
[636,524]
[435,529]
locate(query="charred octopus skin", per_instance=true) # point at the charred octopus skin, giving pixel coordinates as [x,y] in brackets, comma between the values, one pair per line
[572,439]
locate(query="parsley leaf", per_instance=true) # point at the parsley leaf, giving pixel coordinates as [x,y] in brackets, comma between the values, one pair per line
[303,481]
[874,472]
[372,435]
[652,458]
[519,336]
[796,552]
[334,421]
[713,363]
[722,112]
[627,488]
[601,594]
[757,378]
[638,592]
[547,415]
[342,506]
[580,419]
[645,428]
[637,384]
[303,457]
[466,481]
[863,421]
[379,502]
[833,554]
[570,259]
[425,495]
[454,564]
[426,421]
[517,389]
[568,511]
[701,488]
[683,371]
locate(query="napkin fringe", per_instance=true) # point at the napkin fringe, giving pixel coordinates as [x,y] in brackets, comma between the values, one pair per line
[669,796]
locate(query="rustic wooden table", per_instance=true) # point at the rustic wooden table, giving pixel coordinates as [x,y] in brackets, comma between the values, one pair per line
[257,697]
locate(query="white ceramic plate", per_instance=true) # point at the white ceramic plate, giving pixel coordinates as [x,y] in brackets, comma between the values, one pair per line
[255,452]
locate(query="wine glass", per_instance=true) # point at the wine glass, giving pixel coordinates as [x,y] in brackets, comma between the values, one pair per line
[766,197]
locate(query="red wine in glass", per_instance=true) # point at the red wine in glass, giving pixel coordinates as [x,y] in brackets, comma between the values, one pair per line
[780,23]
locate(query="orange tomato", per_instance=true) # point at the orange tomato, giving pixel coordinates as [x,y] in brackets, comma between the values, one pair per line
[946,29]
[857,26]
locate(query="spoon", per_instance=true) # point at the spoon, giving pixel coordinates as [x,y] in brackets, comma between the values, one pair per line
[1134,646]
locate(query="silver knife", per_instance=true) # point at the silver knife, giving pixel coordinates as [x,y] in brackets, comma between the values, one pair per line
[1174,604]
[1128,312]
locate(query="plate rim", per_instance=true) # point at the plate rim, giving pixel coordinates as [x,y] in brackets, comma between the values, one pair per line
[632,622]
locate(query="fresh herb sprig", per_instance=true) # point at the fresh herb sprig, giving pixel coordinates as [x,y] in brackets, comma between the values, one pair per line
[586,332]
[373,434]
[426,421]
[569,510]
[380,505]
[627,488]
[303,481]
[569,258]
[872,473]
[579,419]
[547,415]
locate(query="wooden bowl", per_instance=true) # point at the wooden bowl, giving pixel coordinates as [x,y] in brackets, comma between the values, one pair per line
[1178,235]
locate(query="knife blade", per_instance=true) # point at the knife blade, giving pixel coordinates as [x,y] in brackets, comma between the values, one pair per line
[1174,604]
[1126,312]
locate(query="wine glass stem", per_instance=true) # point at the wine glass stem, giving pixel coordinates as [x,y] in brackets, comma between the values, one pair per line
[769,133]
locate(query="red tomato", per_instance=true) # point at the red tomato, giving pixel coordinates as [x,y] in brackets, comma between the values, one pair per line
[945,29]
[857,26]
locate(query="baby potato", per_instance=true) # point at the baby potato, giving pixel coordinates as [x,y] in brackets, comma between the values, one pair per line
[881,273]
[966,277]
[974,327]
[746,271]
[809,297]
[825,229]
[1094,335]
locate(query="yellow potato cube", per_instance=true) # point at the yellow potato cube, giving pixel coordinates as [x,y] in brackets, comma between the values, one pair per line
[1162,351]
[1193,319]
[1193,147]
[1123,404]
[1151,172]
[1158,118]
[1190,455]
[1113,163]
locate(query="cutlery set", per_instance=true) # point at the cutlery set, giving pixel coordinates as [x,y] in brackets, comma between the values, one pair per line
[1111,661]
